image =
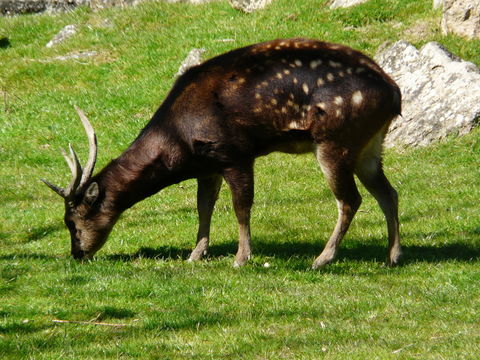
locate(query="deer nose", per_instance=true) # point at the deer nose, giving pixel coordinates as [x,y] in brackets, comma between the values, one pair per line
[78,254]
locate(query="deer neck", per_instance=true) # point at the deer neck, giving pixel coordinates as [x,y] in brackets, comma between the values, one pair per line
[150,164]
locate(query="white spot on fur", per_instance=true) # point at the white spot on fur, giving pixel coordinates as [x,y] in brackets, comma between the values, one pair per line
[305,88]
[322,105]
[279,75]
[330,77]
[286,72]
[320,81]
[334,64]
[294,125]
[338,100]
[315,63]
[357,98]
[298,63]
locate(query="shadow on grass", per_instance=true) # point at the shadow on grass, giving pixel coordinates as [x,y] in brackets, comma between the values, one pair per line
[18,328]
[159,253]
[40,232]
[29,256]
[32,234]
[373,251]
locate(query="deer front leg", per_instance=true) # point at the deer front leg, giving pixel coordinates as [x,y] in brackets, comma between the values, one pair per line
[240,180]
[207,195]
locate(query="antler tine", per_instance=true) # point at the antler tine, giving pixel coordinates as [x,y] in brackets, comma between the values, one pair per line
[92,142]
[57,189]
[76,169]
[79,176]
[67,158]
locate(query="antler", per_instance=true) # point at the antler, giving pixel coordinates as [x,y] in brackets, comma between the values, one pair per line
[79,176]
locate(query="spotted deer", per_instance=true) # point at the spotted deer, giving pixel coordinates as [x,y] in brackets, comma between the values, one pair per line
[288,95]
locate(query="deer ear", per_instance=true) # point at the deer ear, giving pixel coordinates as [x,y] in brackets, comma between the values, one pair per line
[91,194]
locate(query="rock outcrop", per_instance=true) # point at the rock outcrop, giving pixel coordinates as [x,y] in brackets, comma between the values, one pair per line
[437,4]
[249,6]
[67,32]
[441,93]
[193,58]
[461,17]
[345,3]
[11,7]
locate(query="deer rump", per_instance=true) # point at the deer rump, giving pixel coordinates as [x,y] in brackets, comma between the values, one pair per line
[290,95]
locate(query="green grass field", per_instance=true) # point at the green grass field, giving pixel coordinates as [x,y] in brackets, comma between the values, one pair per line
[166,308]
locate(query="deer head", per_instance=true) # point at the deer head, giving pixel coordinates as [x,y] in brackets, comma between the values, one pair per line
[84,217]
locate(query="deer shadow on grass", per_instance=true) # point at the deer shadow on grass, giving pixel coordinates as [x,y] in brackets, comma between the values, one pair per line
[373,249]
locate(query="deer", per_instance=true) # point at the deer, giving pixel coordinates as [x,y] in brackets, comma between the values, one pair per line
[289,95]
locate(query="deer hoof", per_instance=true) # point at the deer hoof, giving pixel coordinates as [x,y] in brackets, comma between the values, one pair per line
[322,260]
[240,260]
[199,252]
[394,258]
[197,255]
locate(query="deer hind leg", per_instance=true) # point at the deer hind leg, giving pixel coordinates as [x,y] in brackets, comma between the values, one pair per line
[240,180]
[207,195]
[342,183]
[369,171]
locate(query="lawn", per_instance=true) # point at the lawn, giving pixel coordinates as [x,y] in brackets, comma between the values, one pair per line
[139,298]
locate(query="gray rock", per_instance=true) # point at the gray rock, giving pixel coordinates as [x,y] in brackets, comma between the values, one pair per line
[196,2]
[11,7]
[437,4]
[345,3]
[8,7]
[67,32]
[249,6]
[441,93]
[461,17]
[193,58]
[78,55]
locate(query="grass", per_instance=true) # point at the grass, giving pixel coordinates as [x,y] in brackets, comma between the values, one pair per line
[355,308]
